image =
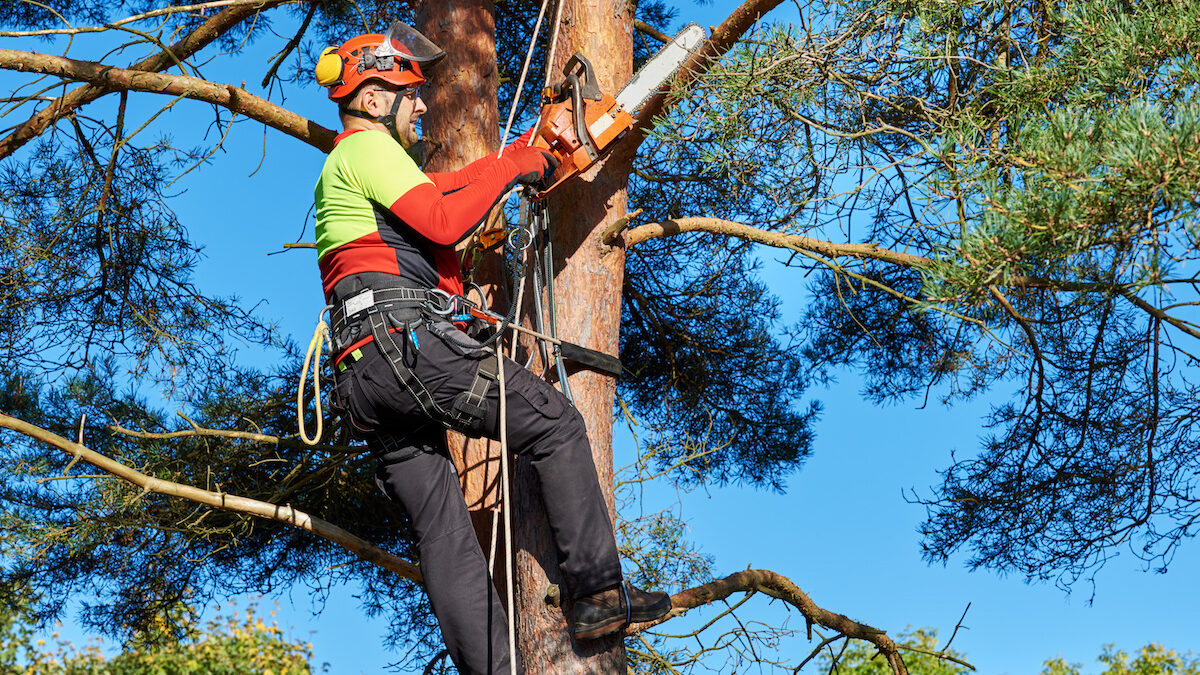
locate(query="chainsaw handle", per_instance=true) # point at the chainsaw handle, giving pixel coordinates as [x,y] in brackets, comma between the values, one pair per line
[577,108]
[580,67]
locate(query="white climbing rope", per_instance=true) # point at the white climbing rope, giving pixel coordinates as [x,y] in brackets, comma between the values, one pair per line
[512,111]
[505,492]
[505,496]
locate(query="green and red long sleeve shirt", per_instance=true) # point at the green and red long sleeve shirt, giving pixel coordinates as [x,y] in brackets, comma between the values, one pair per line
[378,212]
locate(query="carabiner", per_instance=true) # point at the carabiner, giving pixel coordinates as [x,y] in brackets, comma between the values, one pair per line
[447,307]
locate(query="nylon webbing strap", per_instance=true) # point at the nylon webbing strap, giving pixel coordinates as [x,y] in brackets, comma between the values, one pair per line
[469,408]
[473,402]
[355,308]
[395,358]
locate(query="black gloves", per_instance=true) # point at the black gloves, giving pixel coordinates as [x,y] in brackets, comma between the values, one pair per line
[535,165]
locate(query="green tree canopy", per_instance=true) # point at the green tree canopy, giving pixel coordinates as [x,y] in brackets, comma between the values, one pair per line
[987,198]
[226,645]
[1152,659]
[924,655]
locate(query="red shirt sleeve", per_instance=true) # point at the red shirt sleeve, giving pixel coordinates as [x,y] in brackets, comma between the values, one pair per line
[449,181]
[446,219]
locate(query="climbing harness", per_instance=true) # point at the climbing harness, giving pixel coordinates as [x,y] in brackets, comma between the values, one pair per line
[377,315]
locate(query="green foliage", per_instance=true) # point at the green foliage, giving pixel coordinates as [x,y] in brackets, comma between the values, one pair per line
[700,329]
[856,658]
[121,266]
[226,646]
[1039,162]
[1152,659]
[1070,171]
[1042,160]
[66,537]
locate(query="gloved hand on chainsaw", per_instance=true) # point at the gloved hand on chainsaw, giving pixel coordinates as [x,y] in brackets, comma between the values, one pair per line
[536,165]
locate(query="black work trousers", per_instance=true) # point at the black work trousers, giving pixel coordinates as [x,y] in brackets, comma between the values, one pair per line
[542,425]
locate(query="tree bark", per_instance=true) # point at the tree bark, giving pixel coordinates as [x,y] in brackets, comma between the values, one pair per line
[587,282]
[463,117]
[463,120]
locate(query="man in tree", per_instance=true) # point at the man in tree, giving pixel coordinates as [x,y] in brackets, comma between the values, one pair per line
[385,234]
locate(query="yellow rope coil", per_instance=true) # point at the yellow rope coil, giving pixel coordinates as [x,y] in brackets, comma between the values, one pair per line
[320,339]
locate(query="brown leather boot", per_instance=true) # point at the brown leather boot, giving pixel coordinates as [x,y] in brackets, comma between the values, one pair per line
[613,608]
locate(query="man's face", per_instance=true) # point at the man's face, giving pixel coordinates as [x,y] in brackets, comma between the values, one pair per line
[378,101]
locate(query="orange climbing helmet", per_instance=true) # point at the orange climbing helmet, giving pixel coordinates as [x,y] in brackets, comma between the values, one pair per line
[395,58]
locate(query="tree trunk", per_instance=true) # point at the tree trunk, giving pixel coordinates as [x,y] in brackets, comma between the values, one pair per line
[463,118]
[588,279]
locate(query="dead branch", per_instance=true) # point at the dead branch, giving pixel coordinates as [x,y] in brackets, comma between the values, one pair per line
[163,11]
[228,96]
[282,513]
[199,431]
[191,43]
[647,29]
[292,44]
[794,242]
[832,250]
[778,586]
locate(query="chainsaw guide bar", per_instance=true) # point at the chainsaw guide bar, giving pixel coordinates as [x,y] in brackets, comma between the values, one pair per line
[660,68]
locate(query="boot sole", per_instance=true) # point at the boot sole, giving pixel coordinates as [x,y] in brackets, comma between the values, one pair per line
[602,628]
[655,611]
[595,630]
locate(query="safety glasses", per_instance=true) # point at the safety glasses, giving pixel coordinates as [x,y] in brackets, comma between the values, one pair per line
[407,92]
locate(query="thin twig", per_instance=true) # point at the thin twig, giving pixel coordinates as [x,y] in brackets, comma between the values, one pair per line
[287,49]
[178,9]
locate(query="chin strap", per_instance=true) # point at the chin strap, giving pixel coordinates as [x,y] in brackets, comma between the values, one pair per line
[388,120]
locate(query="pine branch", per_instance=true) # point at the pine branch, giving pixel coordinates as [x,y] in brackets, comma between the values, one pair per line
[794,242]
[723,38]
[778,586]
[282,513]
[292,44]
[647,29]
[193,42]
[832,250]
[162,11]
[228,96]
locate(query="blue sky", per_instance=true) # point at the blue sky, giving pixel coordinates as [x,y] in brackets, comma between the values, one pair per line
[842,532]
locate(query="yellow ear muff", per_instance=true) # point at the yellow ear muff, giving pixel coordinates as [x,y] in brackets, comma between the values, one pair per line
[329,68]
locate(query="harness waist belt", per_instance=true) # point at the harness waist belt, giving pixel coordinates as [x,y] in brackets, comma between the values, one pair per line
[354,309]
[400,306]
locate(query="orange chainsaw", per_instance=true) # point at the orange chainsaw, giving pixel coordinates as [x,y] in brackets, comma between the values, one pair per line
[580,124]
